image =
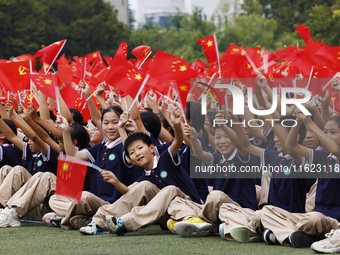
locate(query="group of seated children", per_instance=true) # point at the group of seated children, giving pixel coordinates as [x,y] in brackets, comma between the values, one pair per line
[148,156]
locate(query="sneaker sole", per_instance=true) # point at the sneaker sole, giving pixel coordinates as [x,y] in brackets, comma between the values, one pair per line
[245,235]
[300,239]
[187,229]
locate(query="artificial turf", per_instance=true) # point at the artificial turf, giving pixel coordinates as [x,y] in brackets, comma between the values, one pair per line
[36,238]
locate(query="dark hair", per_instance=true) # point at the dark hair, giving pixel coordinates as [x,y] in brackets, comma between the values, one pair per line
[289,122]
[11,125]
[194,115]
[79,133]
[77,117]
[152,123]
[136,137]
[114,109]
[336,119]
[165,123]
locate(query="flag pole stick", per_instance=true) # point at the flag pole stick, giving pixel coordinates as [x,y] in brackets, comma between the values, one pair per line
[140,91]
[55,57]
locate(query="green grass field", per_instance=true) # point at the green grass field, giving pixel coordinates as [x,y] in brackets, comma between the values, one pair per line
[36,238]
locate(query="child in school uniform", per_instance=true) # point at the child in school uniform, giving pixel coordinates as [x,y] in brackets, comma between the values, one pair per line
[107,155]
[163,179]
[230,188]
[301,230]
[285,191]
[18,191]
[9,156]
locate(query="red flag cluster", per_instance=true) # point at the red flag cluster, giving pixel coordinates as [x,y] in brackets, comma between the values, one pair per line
[164,70]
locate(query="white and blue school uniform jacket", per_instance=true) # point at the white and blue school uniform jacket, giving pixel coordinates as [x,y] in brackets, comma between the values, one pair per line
[39,162]
[168,171]
[326,200]
[285,191]
[109,157]
[240,190]
[9,155]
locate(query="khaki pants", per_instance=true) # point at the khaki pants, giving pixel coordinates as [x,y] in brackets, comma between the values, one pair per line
[4,172]
[233,215]
[142,206]
[282,223]
[32,198]
[67,207]
[141,194]
[211,209]
[12,179]
[183,209]
[265,184]
[310,198]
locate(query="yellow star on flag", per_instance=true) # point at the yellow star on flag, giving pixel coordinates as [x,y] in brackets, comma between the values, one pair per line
[48,81]
[138,77]
[183,88]
[183,68]
[210,43]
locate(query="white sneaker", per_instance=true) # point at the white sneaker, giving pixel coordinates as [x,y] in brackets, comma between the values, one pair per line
[189,229]
[51,219]
[8,218]
[92,229]
[329,245]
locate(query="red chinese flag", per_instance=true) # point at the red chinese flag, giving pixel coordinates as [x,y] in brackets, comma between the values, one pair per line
[125,77]
[30,99]
[81,68]
[14,75]
[209,46]
[70,177]
[121,52]
[304,32]
[166,67]
[51,51]
[141,53]
[65,72]
[94,57]
[72,98]
[46,83]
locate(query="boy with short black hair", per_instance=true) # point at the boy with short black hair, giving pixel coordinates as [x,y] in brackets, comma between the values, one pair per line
[163,180]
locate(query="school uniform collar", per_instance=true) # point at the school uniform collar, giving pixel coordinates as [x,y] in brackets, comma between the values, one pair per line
[114,143]
[155,164]
[287,156]
[232,156]
[37,154]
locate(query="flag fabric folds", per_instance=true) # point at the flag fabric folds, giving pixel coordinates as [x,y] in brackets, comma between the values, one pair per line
[14,75]
[71,174]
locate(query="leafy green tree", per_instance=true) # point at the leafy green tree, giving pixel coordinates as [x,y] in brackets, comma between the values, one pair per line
[22,27]
[88,25]
[324,22]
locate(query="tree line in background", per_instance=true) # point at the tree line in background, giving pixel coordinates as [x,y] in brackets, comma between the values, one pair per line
[89,25]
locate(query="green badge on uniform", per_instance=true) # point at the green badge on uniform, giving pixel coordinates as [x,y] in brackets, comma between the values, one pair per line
[286,171]
[164,174]
[184,150]
[112,157]
[39,163]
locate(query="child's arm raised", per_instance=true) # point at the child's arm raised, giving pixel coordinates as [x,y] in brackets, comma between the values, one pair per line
[326,141]
[197,150]
[68,143]
[175,117]
[243,140]
[95,115]
[26,128]
[292,145]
